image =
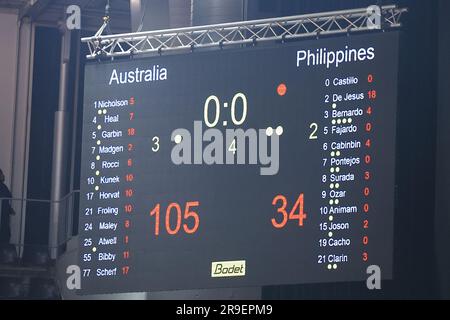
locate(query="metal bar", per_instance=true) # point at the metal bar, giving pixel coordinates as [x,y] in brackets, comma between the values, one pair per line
[241,32]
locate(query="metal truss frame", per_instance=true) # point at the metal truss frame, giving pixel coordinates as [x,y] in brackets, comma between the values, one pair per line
[245,32]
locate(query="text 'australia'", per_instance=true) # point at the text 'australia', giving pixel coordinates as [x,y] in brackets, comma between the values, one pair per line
[155,73]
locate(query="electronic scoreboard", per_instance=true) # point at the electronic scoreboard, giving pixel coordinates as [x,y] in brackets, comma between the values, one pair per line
[265,165]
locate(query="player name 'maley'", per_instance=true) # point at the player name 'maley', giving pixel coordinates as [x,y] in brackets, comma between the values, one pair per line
[155,73]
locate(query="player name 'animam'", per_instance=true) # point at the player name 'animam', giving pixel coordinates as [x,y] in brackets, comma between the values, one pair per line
[343,210]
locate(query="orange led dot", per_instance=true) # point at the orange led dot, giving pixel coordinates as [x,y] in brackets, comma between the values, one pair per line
[282,90]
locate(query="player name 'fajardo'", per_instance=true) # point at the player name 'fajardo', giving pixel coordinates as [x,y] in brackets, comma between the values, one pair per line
[155,73]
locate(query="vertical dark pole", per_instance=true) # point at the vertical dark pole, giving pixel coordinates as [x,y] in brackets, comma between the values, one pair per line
[60,154]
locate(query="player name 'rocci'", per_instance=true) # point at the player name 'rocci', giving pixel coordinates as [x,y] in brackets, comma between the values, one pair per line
[110,164]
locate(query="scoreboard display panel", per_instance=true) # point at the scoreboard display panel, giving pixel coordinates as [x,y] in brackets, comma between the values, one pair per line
[266,165]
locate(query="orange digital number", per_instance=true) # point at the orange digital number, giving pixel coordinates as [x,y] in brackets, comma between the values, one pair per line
[189,214]
[297,212]
[125,270]
[131,132]
[168,214]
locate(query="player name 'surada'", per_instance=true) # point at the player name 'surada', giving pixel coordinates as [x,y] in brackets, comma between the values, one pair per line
[155,73]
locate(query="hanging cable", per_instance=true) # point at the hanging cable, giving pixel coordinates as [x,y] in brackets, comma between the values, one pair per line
[144,12]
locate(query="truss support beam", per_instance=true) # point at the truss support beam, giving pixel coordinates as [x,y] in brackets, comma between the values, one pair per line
[244,32]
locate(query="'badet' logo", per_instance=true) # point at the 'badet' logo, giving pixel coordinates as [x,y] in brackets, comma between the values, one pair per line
[224,269]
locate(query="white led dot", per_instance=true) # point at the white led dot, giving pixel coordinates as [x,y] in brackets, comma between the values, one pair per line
[335,266]
[279,131]
[269,131]
[178,139]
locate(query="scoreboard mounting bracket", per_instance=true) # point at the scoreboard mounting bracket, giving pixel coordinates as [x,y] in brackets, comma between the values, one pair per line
[244,32]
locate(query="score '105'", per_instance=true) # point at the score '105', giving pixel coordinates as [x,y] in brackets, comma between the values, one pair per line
[189,222]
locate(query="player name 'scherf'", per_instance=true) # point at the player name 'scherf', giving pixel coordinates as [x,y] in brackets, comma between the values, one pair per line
[155,73]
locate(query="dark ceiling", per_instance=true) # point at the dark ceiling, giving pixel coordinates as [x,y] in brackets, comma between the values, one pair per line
[52,12]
